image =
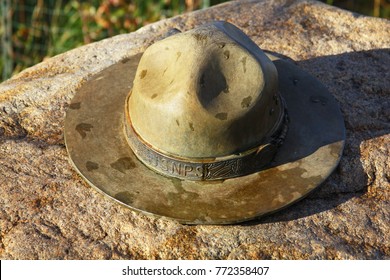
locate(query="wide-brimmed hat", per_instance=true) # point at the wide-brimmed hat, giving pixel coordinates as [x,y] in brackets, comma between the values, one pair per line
[204,128]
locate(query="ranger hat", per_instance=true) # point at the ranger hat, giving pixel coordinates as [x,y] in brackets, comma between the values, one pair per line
[204,128]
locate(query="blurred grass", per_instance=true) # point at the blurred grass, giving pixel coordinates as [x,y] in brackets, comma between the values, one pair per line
[33,30]
[44,28]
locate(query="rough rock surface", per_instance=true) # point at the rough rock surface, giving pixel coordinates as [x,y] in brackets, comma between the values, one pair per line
[48,212]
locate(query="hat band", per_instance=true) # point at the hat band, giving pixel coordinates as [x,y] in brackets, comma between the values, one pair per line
[203,169]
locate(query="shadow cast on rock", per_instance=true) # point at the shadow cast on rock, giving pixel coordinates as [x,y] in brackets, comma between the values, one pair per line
[360,82]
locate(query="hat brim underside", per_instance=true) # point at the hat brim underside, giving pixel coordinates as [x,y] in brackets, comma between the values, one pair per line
[96,143]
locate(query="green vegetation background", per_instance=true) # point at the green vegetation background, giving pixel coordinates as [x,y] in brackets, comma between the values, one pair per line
[33,30]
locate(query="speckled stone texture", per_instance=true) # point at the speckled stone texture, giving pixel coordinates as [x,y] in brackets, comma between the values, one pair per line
[48,212]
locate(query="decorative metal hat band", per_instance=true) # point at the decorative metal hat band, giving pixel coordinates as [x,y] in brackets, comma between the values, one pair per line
[218,168]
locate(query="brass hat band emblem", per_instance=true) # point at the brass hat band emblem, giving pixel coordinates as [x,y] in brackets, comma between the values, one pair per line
[202,169]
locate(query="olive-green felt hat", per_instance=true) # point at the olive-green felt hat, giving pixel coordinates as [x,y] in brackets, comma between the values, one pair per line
[204,128]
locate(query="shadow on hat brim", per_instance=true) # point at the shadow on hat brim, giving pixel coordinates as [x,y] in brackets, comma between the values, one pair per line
[96,143]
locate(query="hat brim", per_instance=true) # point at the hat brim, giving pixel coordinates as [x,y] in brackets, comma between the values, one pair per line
[96,143]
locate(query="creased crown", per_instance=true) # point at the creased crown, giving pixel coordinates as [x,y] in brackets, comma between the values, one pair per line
[205,93]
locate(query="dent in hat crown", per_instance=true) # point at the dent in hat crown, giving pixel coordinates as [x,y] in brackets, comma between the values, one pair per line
[203,94]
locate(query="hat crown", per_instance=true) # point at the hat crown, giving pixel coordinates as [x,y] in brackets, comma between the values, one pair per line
[209,92]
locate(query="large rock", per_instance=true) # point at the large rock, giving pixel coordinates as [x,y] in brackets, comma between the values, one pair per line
[48,212]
